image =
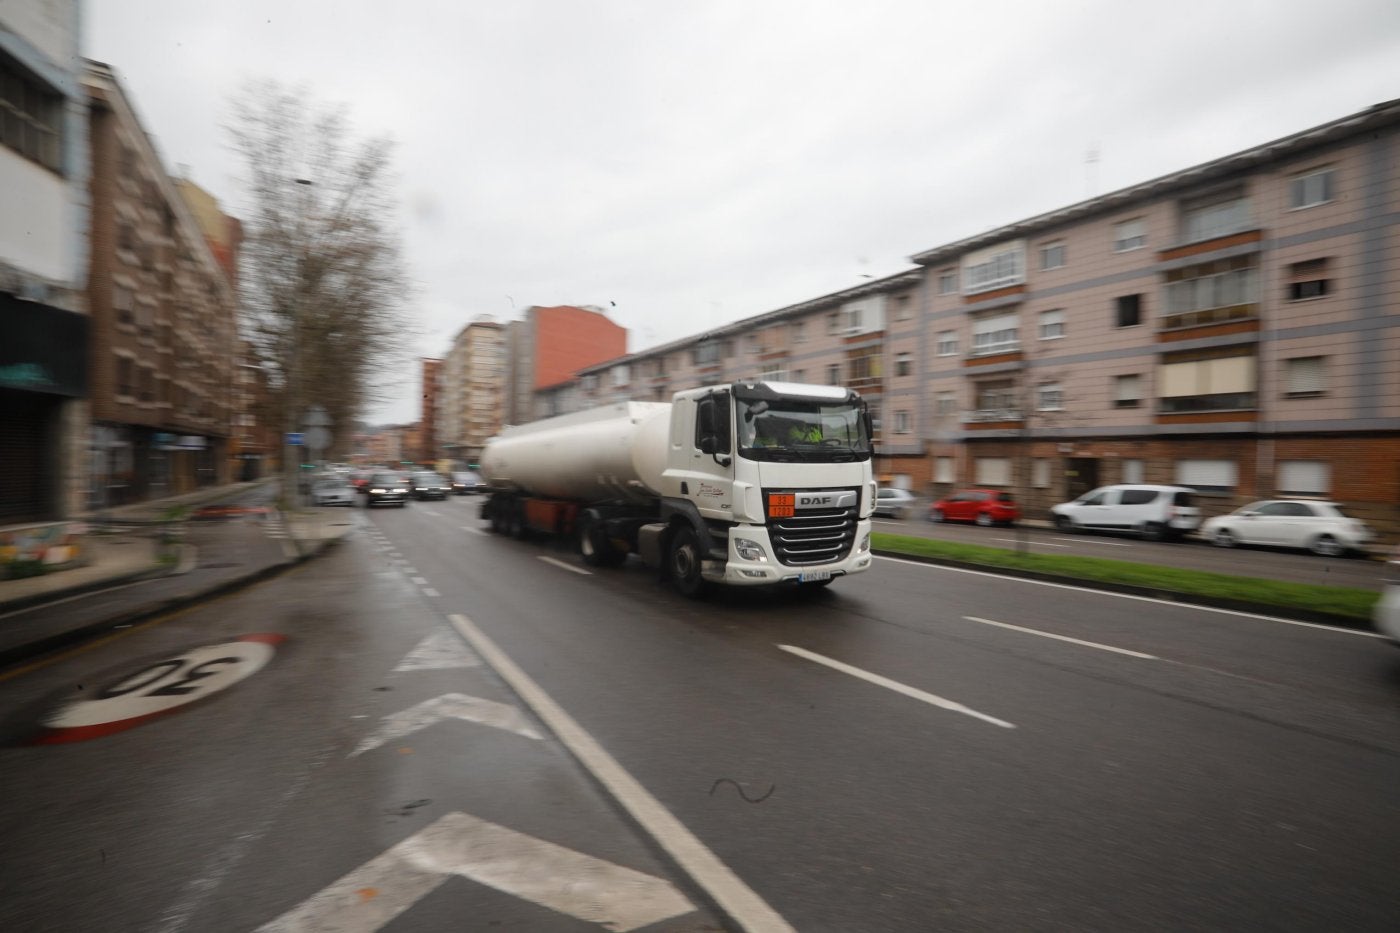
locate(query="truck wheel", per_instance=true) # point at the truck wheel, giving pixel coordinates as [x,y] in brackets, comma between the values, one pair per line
[593,544]
[515,519]
[683,563]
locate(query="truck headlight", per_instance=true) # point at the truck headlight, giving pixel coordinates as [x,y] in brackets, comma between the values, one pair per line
[864,544]
[750,550]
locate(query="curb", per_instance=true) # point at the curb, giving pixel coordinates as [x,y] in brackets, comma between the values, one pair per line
[12,656]
[1128,589]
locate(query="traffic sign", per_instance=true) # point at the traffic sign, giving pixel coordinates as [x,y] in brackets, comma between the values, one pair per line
[295,439]
[317,438]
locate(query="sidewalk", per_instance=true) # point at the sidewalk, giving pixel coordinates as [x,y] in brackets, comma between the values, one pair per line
[140,564]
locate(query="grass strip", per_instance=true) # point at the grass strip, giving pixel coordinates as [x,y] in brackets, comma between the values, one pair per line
[1334,600]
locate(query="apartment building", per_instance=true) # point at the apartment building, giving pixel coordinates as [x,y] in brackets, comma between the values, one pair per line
[471,389]
[44,327]
[429,389]
[1232,327]
[163,344]
[547,347]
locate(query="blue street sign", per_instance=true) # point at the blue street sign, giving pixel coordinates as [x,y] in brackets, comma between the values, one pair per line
[295,440]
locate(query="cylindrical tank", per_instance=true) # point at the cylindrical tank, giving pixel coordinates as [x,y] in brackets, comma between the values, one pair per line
[614,452]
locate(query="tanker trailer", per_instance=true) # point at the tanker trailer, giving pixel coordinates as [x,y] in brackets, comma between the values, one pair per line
[746,484]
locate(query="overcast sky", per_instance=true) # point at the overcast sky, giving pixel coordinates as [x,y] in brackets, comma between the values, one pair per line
[698,162]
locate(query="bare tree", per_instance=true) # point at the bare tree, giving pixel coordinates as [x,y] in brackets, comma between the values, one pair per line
[324,288]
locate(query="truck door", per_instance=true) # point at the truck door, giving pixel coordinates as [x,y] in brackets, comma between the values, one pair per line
[708,477]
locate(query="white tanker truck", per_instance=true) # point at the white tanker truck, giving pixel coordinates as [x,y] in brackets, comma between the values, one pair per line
[747,484]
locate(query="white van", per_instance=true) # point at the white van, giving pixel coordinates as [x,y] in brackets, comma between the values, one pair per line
[1157,513]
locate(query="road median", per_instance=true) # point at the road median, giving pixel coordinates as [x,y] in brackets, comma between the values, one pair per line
[1345,607]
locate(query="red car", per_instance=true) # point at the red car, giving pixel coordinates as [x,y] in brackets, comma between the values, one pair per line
[983,506]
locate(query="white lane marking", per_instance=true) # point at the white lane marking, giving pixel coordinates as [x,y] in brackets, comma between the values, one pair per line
[1073,641]
[1091,541]
[733,896]
[475,531]
[429,591]
[566,566]
[448,706]
[1144,599]
[896,686]
[419,581]
[440,649]
[411,571]
[563,880]
[1039,543]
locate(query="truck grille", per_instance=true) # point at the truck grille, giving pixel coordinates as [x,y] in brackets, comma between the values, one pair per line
[813,536]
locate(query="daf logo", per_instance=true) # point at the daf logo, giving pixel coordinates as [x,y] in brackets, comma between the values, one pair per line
[816,501]
[825,500]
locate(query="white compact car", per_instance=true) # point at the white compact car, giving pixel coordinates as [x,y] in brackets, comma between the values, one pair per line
[894,503]
[1157,513]
[1388,609]
[336,491]
[1320,527]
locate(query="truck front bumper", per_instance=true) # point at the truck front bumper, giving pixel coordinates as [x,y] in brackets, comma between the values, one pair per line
[752,560]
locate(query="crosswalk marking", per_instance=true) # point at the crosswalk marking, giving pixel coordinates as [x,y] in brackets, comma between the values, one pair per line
[563,880]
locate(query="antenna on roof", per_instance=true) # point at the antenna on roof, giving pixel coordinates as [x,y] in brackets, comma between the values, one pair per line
[1091,167]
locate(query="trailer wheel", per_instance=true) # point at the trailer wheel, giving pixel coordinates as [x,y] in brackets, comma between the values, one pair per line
[683,563]
[515,519]
[594,546]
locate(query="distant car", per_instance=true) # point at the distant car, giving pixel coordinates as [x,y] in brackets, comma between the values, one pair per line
[983,506]
[332,490]
[429,486]
[1320,527]
[894,503]
[1387,612]
[1157,513]
[466,483]
[386,489]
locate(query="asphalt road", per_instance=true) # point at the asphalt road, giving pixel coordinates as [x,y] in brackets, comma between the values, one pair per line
[1190,553]
[914,748]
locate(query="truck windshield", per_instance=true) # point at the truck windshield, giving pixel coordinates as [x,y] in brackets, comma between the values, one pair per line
[801,429]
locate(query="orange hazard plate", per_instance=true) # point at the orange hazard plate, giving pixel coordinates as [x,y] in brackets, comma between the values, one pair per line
[781,504]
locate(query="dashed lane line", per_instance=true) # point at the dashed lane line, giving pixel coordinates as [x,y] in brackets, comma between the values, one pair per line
[1073,641]
[896,686]
[567,566]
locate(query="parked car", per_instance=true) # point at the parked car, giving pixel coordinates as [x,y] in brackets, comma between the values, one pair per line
[894,503]
[332,490]
[1321,527]
[1387,612]
[983,506]
[429,486]
[1158,513]
[386,489]
[466,483]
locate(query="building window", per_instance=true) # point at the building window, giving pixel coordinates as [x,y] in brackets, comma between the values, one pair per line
[1129,235]
[773,374]
[997,333]
[799,375]
[1052,255]
[1219,476]
[945,403]
[797,333]
[31,117]
[947,283]
[833,374]
[621,375]
[1052,325]
[1220,384]
[901,422]
[1127,391]
[125,373]
[1308,280]
[996,270]
[992,471]
[1217,216]
[996,401]
[1305,377]
[903,364]
[1211,293]
[1133,472]
[1129,310]
[943,470]
[1311,189]
[1303,478]
[1049,397]
[705,353]
[833,322]
[1040,473]
[865,366]
[948,343]
[122,305]
[903,308]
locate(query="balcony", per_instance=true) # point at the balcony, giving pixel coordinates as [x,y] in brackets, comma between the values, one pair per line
[987,415]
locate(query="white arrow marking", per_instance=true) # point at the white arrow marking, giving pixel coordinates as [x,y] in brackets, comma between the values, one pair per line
[552,876]
[441,649]
[448,706]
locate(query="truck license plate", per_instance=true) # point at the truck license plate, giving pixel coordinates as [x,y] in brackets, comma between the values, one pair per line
[815,575]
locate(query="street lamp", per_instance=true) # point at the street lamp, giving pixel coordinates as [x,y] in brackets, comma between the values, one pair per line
[291,459]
